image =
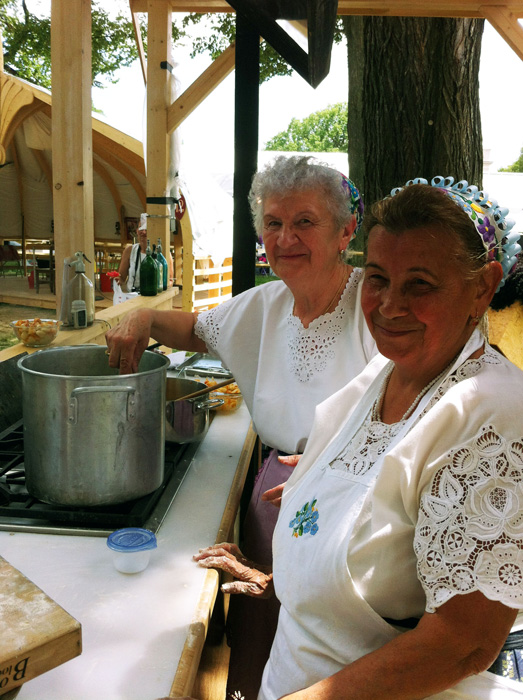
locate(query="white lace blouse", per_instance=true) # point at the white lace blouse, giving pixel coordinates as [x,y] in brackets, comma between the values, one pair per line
[283,369]
[444,515]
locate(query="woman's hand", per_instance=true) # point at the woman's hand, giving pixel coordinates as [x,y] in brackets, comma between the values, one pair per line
[253,579]
[127,341]
[274,495]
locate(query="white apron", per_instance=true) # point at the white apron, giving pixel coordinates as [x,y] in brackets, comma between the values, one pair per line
[325,624]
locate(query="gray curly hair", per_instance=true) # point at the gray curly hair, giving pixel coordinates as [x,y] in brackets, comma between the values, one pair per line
[286,175]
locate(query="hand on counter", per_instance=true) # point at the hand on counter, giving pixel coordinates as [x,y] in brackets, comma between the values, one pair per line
[254,580]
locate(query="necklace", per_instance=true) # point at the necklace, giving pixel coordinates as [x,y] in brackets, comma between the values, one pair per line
[376,407]
[336,294]
[331,302]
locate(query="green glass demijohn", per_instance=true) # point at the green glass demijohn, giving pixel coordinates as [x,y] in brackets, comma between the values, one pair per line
[148,274]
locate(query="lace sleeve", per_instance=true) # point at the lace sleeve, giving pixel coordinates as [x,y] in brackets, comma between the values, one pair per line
[207,326]
[469,534]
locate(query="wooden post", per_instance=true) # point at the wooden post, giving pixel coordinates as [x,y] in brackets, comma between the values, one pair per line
[72,134]
[159,65]
[246,101]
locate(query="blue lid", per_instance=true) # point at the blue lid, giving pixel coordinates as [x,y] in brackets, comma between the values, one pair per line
[131,539]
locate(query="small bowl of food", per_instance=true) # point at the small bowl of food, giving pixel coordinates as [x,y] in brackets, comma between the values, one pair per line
[231,401]
[230,395]
[36,332]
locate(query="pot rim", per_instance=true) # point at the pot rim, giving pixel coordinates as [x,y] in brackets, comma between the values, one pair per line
[83,377]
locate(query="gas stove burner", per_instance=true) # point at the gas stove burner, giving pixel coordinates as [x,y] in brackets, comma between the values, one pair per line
[20,512]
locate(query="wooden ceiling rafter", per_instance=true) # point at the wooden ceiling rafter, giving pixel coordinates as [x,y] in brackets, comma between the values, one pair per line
[503,15]
[398,8]
[101,170]
[313,65]
[16,162]
[40,158]
[120,167]
[17,105]
[118,144]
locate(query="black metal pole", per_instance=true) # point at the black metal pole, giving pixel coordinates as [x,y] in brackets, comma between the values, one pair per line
[246,116]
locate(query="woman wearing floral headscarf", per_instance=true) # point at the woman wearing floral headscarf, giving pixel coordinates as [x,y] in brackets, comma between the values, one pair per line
[289,344]
[398,553]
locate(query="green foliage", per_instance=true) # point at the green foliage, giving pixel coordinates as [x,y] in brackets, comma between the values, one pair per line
[27,44]
[219,30]
[516,167]
[324,131]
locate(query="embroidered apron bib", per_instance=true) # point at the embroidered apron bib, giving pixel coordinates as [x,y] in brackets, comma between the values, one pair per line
[325,623]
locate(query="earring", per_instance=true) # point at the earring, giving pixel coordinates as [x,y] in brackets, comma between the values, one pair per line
[474,320]
[341,254]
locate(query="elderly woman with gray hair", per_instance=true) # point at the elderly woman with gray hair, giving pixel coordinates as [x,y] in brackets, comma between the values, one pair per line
[290,343]
[398,552]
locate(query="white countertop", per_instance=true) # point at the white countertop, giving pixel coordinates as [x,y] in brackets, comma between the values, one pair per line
[133,625]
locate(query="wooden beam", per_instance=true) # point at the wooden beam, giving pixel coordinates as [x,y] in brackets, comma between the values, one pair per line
[1,51]
[508,26]
[119,145]
[16,105]
[159,85]
[20,184]
[203,6]
[73,209]
[321,23]
[396,8]
[194,95]
[139,46]
[276,36]
[121,167]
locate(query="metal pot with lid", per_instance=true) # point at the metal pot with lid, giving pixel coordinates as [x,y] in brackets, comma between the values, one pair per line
[92,436]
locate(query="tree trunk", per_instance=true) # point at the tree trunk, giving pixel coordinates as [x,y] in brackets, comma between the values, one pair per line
[413,101]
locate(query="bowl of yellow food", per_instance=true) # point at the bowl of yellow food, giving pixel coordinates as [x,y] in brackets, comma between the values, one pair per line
[230,395]
[36,332]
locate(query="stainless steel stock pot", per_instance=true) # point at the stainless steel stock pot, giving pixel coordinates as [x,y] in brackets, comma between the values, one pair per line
[92,436]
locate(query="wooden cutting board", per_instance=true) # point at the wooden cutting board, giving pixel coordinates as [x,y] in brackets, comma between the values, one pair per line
[36,634]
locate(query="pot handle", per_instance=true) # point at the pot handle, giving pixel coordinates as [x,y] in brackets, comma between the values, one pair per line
[208,403]
[73,400]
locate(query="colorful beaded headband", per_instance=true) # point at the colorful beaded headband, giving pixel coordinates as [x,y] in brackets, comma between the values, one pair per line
[488,218]
[356,202]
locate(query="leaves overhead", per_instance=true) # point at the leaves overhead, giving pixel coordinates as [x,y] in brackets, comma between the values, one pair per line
[219,30]
[27,43]
[323,131]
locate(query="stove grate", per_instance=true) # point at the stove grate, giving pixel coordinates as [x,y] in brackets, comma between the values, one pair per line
[17,507]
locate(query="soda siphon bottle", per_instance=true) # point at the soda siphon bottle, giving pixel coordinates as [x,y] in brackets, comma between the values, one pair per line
[163,264]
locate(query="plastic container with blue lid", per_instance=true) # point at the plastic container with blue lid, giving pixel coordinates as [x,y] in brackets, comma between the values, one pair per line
[131,548]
